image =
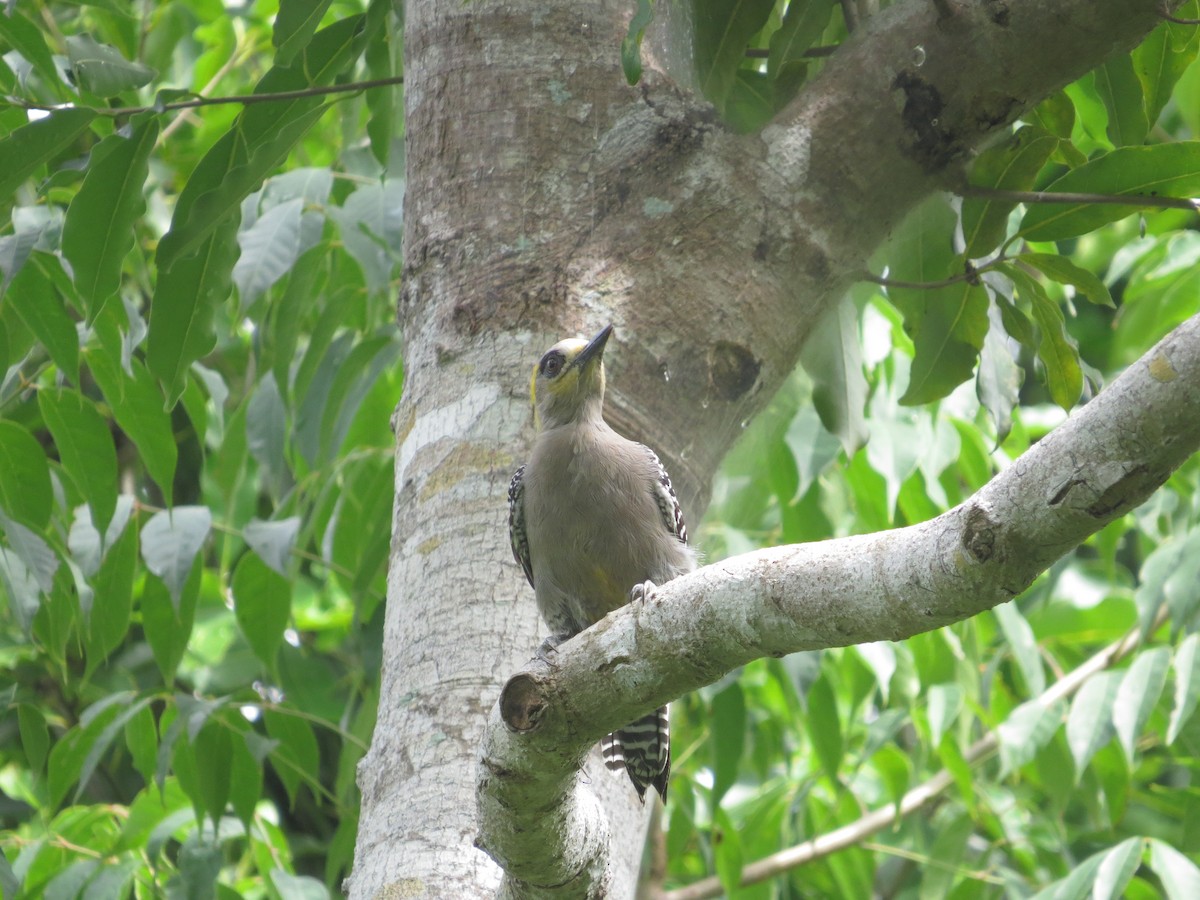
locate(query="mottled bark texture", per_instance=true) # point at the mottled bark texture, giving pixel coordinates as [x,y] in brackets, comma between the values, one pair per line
[546,197]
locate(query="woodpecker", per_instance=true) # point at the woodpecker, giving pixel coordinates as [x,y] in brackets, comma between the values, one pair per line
[594,523]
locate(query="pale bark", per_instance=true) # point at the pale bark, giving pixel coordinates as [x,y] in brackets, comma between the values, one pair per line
[546,197]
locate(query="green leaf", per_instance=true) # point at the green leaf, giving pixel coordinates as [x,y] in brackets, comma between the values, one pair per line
[824,728]
[1056,349]
[137,405]
[802,26]
[359,548]
[102,70]
[1118,86]
[296,758]
[1117,868]
[1162,170]
[103,741]
[952,328]
[1140,689]
[880,658]
[269,249]
[262,601]
[1011,166]
[85,447]
[721,31]
[1089,723]
[168,626]
[35,300]
[1060,269]
[295,24]
[1026,730]
[1055,114]
[24,477]
[107,626]
[1180,876]
[727,851]
[266,433]
[832,357]
[1024,646]
[945,702]
[946,858]
[1163,56]
[26,38]
[245,778]
[1187,684]
[273,541]
[301,887]
[998,382]
[631,45]
[141,738]
[24,593]
[729,730]
[186,297]
[262,137]
[170,542]
[27,148]
[101,221]
[214,757]
[35,735]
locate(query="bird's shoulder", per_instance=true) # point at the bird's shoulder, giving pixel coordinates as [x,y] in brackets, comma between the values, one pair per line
[518,536]
[664,494]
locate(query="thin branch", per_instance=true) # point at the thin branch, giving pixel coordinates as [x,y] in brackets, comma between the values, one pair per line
[971,276]
[876,820]
[1154,200]
[1165,12]
[817,52]
[314,91]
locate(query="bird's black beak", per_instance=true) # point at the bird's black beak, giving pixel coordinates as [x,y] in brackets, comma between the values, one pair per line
[595,347]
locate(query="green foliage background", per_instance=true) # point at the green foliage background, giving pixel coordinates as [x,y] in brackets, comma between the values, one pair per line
[198,363]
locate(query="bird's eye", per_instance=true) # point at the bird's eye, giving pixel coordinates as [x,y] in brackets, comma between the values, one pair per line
[552,365]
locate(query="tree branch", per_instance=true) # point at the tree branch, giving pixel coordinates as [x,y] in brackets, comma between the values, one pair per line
[543,826]
[245,100]
[876,820]
[987,193]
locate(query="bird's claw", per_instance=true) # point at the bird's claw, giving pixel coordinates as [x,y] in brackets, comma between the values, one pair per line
[643,592]
[550,646]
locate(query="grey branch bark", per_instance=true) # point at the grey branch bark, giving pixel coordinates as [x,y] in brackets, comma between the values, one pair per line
[1108,457]
[546,197]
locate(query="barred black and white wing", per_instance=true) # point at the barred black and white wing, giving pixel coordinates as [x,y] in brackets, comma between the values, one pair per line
[643,750]
[668,503]
[518,537]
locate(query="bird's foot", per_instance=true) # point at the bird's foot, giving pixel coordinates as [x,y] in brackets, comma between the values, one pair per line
[550,646]
[643,592]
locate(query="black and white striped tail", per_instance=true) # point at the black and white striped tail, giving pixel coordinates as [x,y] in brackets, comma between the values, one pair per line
[643,750]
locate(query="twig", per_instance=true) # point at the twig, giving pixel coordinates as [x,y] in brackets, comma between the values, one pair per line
[1165,12]
[971,276]
[820,50]
[314,91]
[854,833]
[986,193]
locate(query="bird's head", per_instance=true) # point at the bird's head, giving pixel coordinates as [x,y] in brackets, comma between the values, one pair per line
[568,381]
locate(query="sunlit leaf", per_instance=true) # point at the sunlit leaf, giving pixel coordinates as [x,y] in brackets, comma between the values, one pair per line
[1140,689]
[1089,723]
[100,224]
[1162,170]
[170,542]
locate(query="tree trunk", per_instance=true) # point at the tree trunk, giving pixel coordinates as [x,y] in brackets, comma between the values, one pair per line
[546,197]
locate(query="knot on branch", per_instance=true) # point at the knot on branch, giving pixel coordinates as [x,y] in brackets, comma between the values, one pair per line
[523,702]
[979,534]
[732,370]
